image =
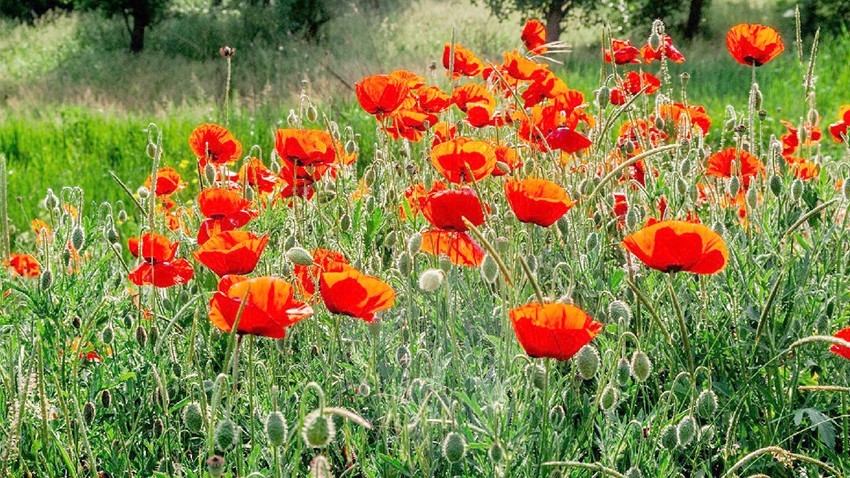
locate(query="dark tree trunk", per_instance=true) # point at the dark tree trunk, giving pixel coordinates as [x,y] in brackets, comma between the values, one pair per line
[554,17]
[694,18]
[137,35]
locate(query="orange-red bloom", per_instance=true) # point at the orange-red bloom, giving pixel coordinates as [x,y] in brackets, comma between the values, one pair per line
[841,350]
[457,246]
[211,142]
[666,50]
[633,84]
[465,62]
[232,252]
[673,246]
[256,174]
[838,130]
[554,330]
[158,268]
[269,306]
[720,164]
[753,44]
[347,291]
[446,209]
[622,52]
[305,147]
[381,94]
[225,210]
[168,181]
[537,201]
[432,99]
[463,160]
[24,265]
[508,157]
[307,275]
[534,37]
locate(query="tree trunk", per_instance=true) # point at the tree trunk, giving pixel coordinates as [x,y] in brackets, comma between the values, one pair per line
[554,16]
[137,35]
[694,18]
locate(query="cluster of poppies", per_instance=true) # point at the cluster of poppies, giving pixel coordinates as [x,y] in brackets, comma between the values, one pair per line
[263,305]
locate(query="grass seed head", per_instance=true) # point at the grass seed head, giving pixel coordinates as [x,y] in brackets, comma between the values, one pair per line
[320,467]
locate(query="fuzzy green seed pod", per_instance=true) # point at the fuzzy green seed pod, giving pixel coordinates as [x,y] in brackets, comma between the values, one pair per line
[318,429]
[454,447]
[250,194]
[46,279]
[719,228]
[619,311]
[153,334]
[193,417]
[414,244]
[51,201]
[225,434]
[587,362]
[845,189]
[320,467]
[431,279]
[659,122]
[603,97]
[404,262]
[364,389]
[686,431]
[624,371]
[633,472]
[502,245]
[592,242]
[796,189]
[734,186]
[681,186]
[775,183]
[632,218]
[276,429]
[209,172]
[370,176]
[706,434]
[345,222]
[752,198]
[536,376]
[608,399]
[299,256]
[669,439]
[107,335]
[641,366]
[444,263]
[489,269]
[78,238]
[88,412]
[706,404]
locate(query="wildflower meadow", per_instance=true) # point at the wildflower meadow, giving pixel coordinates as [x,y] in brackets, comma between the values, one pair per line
[488,274]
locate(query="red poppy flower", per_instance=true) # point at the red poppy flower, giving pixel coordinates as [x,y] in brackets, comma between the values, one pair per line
[431,99]
[167,181]
[720,164]
[443,132]
[24,265]
[305,147]
[463,160]
[805,170]
[666,50]
[672,246]
[347,291]
[256,174]
[225,209]
[621,207]
[543,86]
[753,44]
[633,84]
[457,246]
[231,252]
[534,37]
[508,157]
[555,330]
[678,114]
[381,94]
[521,68]
[410,79]
[465,62]
[567,140]
[791,139]
[537,201]
[211,142]
[841,350]
[409,124]
[269,309]
[447,209]
[307,275]
[623,52]
[838,130]
[158,268]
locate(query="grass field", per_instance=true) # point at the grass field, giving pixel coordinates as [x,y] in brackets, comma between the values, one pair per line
[446,333]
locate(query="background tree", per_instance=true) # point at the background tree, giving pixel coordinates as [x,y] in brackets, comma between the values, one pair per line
[31,9]
[138,15]
[552,13]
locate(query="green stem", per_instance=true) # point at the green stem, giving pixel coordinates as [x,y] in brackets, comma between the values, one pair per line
[683,328]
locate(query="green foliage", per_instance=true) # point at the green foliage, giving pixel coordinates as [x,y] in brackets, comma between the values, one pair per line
[831,16]
[31,9]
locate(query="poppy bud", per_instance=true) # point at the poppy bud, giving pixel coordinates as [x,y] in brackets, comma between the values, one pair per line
[51,201]
[299,256]
[775,183]
[106,398]
[592,242]
[503,167]
[404,262]
[641,366]
[633,472]
[364,389]
[536,375]
[249,193]
[730,124]
[685,77]
[153,334]
[276,429]
[215,466]
[706,404]
[563,224]
[719,228]
[756,98]
[628,147]
[608,399]
[685,167]
[706,433]
[151,150]
[122,216]
[654,41]
[619,311]
[796,189]
[110,233]
[734,186]
[318,429]
[489,269]
[659,122]
[88,412]
[454,447]
[141,336]
[603,97]
[414,244]
[624,371]
[502,245]
[431,280]
[225,434]
[496,453]
[320,467]
[78,238]
[444,263]
[587,362]
[345,222]
[752,198]
[669,439]
[686,431]
[46,279]
[681,186]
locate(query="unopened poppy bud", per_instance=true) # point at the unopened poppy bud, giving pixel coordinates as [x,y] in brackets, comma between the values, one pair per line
[153,334]
[289,242]
[496,453]
[215,466]
[734,186]
[320,467]
[78,238]
[659,122]
[628,147]
[209,173]
[752,198]
[641,366]
[502,245]
[681,186]
[110,234]
[796,189]
[619,311]
[151,150]
[454,447]
[370,176]
[633,472]
[414,244]
[250,194]
[503,167]
[603,96]
[276,429]
[122,216]
[88,412]
[141,336]
[686,431]
[730,124]
[563,224]
[299,256]
[685,167]
[685,77]
[225,434]
[404,262]
[318,429]
[536,375]
[143,192]
[706,433]
[756,97]
[46,279]
[654,41]
[193,417]
[669,439]
[719,228]
[107,335]
[431,280]
[489,269]
[592,242]
[608,399]
[51,201]
[706,404]
[775,183]
[587,362]
[624,371]
[345,222]
[106,398]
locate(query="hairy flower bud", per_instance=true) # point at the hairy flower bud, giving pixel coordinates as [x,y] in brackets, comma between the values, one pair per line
[454,447]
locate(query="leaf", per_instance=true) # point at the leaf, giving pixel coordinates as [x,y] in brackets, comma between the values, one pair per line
[820,422]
